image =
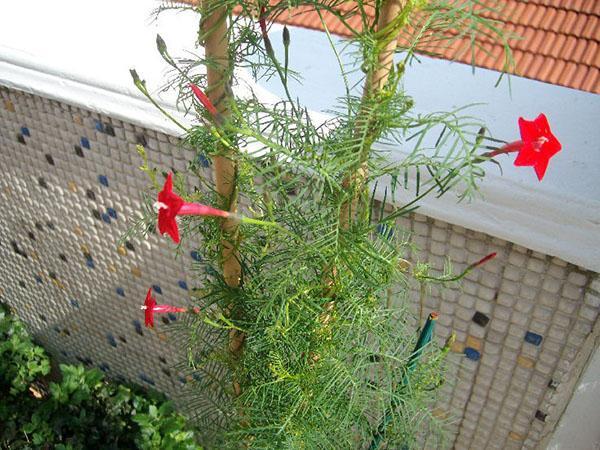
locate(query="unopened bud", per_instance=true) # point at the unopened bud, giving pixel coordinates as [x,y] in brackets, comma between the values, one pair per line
[160,45]
[286,36]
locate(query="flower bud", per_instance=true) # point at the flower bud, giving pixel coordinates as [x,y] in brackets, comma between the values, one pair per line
[286,36]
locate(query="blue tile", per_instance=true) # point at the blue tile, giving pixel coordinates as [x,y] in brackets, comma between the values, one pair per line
[533,338]
[385,230]
[172,316]
[112,213]
[99,126]
[105,218]
[197,376]
[25,131]
[111,340]
[138,327]
[121,291]
[90,263]
[472,354]
[85,142]
[203,160]
[74,303]
[103,180]
[104,367]
[38,279]
[157,288]
[195,256]
[182,284]
[182,380]
[146,379]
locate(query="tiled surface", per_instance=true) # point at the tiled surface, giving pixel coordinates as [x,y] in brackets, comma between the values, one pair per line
[70,185]
[560,40]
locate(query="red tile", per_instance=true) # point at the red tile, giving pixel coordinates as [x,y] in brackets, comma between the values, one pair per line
[591,55]
[591,29]
[592,80]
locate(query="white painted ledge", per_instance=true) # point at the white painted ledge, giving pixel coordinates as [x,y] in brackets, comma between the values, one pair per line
[80,53]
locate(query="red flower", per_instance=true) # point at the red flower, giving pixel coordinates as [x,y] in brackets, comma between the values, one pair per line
[539,144]
[203,98]
[536,147]
[150,307]
[171,205]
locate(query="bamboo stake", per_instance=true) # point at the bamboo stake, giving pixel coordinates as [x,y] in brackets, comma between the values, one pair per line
[374,83]
[213,27]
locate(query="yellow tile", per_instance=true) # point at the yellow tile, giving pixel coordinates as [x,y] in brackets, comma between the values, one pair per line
[112,268]
[516,436]
[439,413]
[162,336]
[122,250]
[77,119]
[78,231]
[525,362]
[72,186]
[403,265]
[473,342]
[457,347]
[85,249]
[136,272]
[9,105]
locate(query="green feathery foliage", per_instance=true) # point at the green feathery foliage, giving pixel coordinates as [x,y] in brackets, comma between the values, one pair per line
[325,349]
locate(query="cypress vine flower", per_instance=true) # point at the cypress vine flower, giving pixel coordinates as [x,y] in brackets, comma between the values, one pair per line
[536,147]
[171,205]
[150,307]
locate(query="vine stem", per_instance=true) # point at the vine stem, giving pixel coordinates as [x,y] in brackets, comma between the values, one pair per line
[213,27]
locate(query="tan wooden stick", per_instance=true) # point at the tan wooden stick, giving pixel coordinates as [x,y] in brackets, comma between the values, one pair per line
[375,81]
[214,30]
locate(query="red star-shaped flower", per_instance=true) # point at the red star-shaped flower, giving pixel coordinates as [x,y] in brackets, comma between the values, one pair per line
[170,205]
[538,144]
[150,307]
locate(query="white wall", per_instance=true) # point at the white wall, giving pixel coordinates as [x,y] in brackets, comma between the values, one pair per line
[80,53]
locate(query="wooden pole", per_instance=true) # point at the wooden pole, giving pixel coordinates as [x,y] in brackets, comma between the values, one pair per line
[376,81]
[213,27]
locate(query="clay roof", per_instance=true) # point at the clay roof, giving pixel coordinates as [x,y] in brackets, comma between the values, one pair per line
[560,40]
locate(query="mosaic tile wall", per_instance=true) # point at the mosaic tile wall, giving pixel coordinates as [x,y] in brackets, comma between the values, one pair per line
[70,187]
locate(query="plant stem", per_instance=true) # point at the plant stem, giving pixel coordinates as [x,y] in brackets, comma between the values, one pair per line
[214,31]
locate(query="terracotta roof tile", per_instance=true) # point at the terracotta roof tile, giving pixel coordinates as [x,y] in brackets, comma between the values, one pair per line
[592,79]
[560,39]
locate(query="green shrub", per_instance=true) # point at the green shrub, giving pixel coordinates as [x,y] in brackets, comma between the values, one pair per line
[82,411]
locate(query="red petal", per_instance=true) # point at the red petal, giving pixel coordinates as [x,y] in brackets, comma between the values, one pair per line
[166,216]
[542,125]
[527,156]
[173,231]
[540,167]
[528,130]
[150,301]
